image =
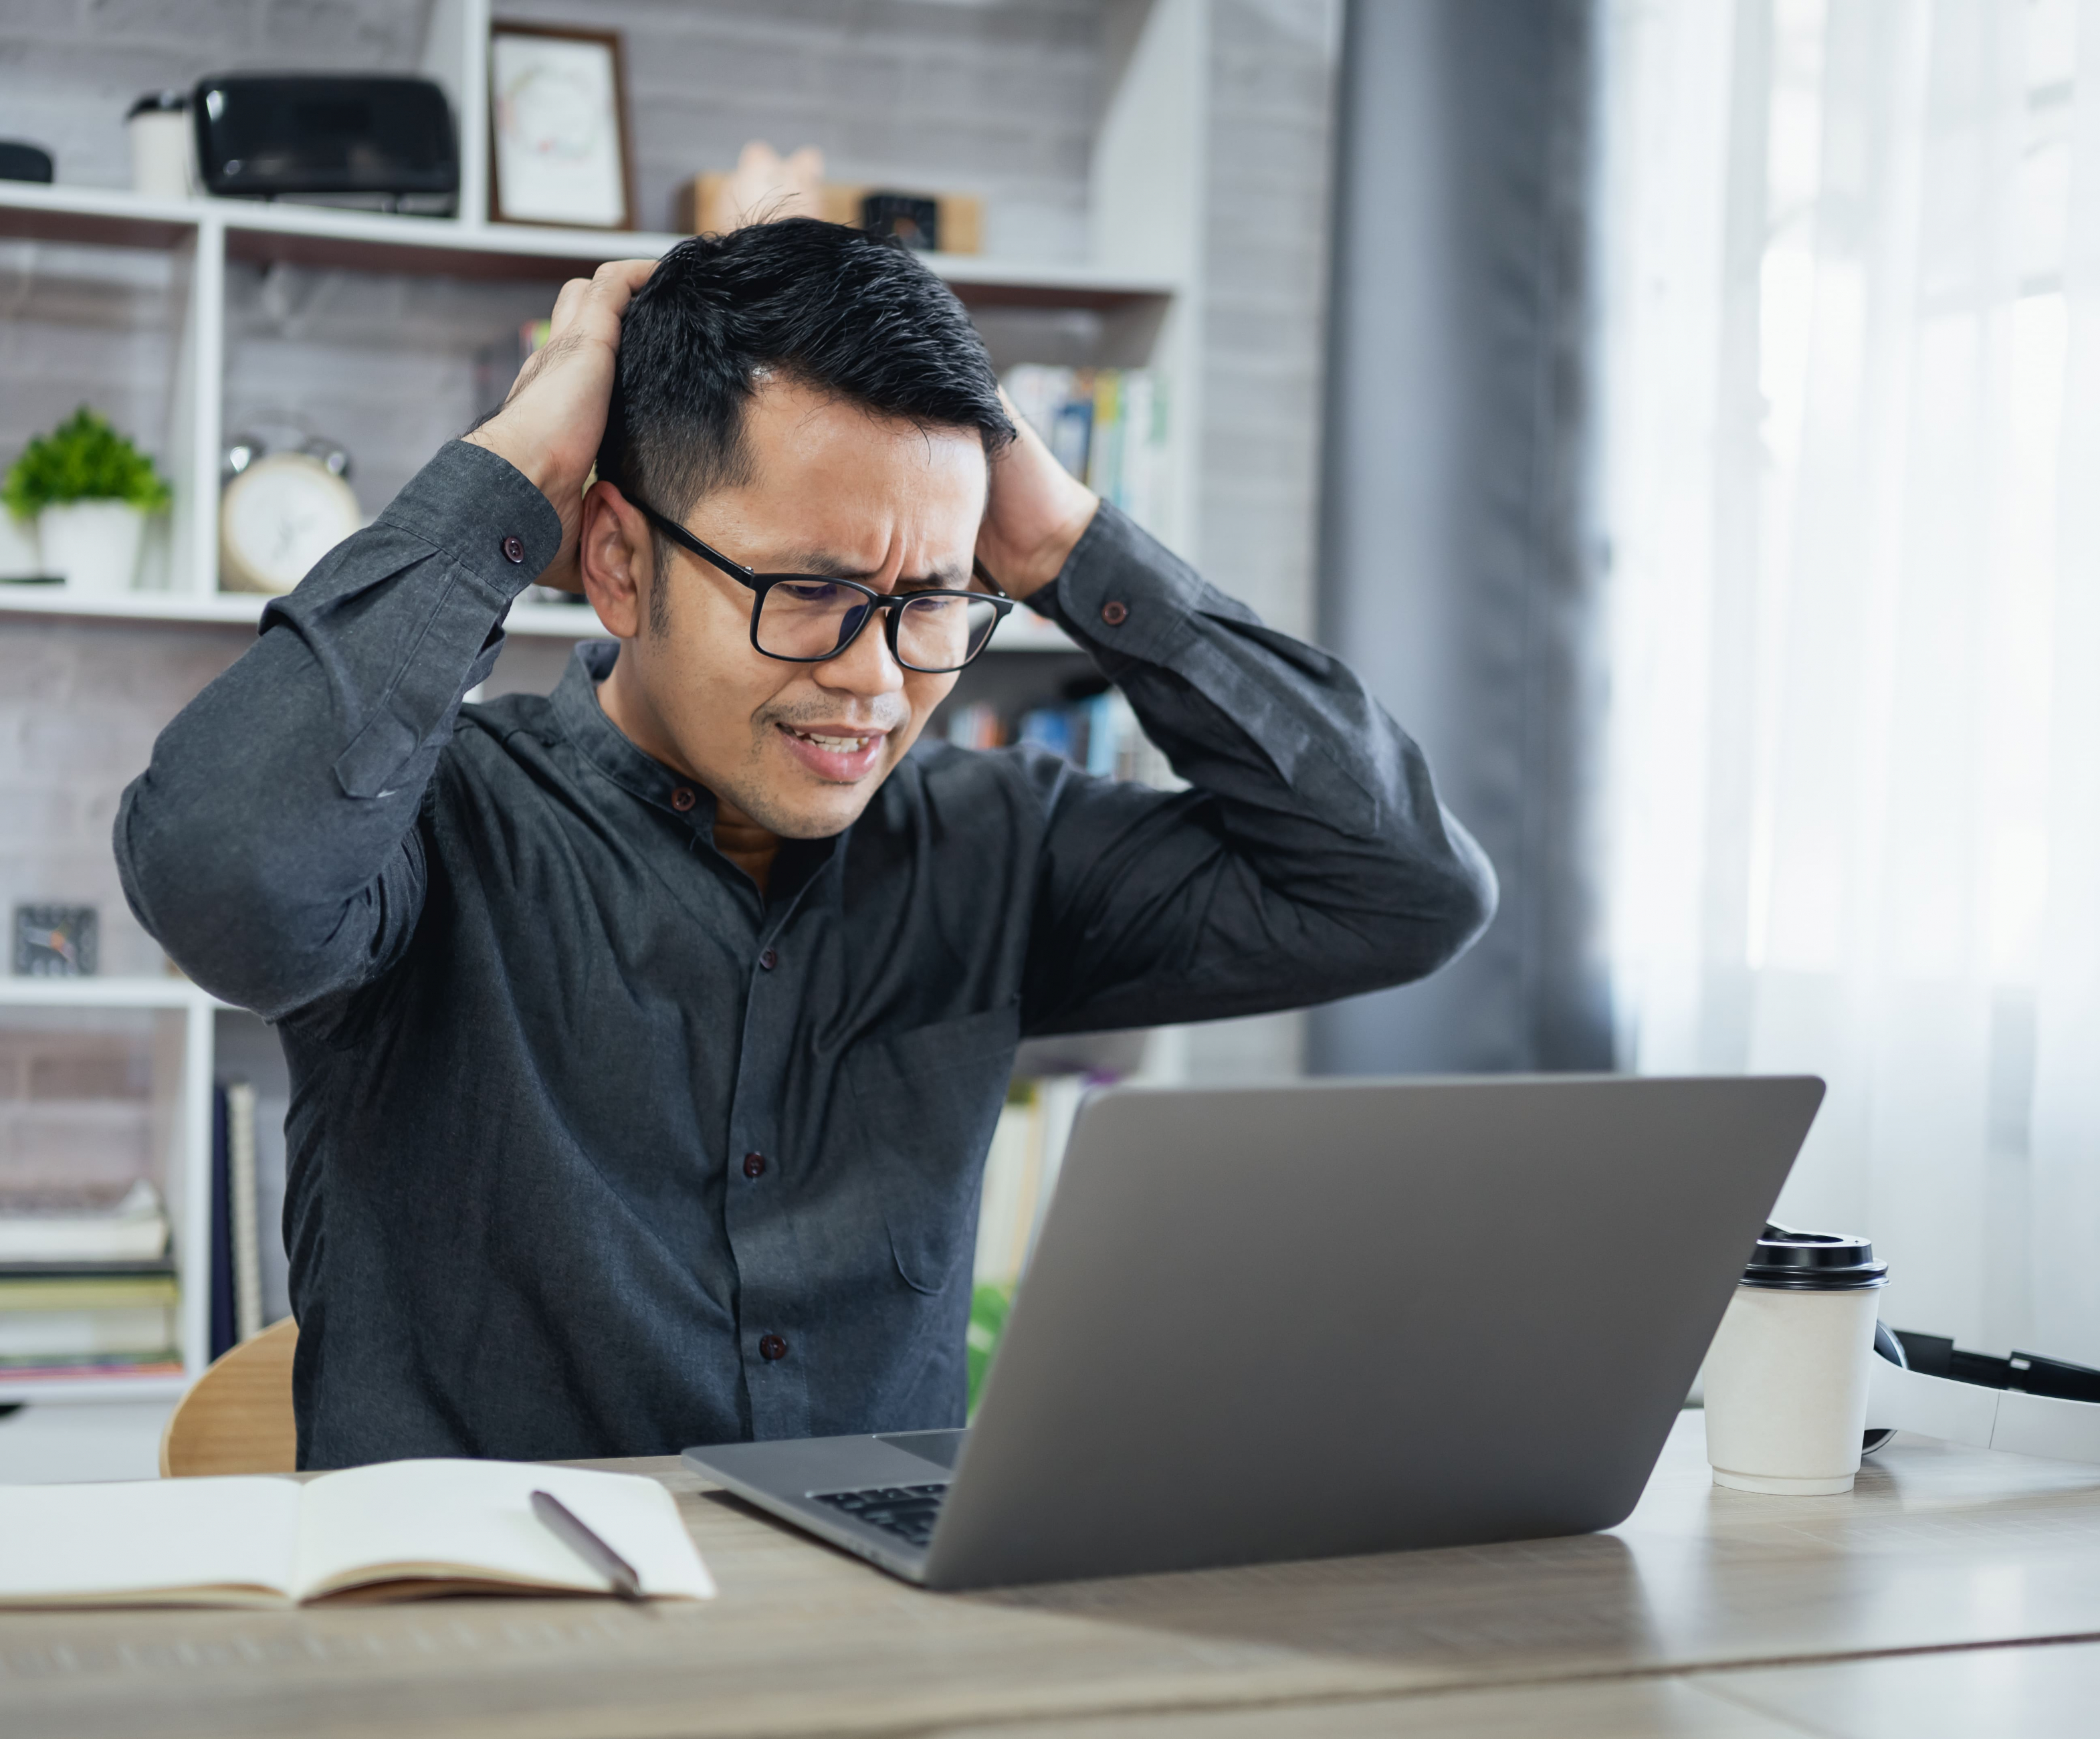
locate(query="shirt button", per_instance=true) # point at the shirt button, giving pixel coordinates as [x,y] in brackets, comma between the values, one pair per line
[771,1347]
[1115,612]
[769,959]
[513,548]
[754,1165]
[682,799]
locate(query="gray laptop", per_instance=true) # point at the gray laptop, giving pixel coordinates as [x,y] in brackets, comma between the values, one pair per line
[1267,1324]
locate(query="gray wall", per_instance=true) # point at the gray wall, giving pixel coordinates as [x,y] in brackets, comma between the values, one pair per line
[1459,567]
[1270,203]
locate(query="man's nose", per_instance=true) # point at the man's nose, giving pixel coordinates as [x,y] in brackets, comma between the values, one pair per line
[866,667]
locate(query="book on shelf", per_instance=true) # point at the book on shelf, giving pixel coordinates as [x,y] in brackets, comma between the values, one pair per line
[124,1370]
[400,1530]
[1021,1172]
[86,1286]
[236,1269]
[85,1226]
[1107,426]
[102,1323]
[1093,727]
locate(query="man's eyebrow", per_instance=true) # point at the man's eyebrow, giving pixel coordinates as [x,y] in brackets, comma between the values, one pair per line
[826,564]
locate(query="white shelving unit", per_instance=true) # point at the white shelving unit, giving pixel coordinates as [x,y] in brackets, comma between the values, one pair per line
[206,234]
[187,1174]
[1144,279]
[1146,196]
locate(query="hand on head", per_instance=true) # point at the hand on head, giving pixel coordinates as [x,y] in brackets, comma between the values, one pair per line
[1036,513]
[551,424]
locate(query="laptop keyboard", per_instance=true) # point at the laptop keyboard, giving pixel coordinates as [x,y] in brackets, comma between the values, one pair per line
[908,1511]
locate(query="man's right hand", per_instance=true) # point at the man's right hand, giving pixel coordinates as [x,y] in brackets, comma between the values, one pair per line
[551,424]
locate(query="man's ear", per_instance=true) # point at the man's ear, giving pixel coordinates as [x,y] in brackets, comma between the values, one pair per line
[617,560]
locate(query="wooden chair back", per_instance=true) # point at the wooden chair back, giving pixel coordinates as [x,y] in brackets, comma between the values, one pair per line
[237,1416]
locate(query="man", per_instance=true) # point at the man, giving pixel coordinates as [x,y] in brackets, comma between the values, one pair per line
[645,1038]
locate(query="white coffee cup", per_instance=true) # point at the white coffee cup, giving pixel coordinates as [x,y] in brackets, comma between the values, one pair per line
[1785,1380]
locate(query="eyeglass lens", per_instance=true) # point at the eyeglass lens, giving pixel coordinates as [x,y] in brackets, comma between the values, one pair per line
[813,619]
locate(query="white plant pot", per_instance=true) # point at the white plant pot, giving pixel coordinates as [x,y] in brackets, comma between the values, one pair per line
[92,545]
[20,558]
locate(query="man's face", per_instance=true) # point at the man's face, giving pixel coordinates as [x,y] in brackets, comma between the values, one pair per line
[799,748]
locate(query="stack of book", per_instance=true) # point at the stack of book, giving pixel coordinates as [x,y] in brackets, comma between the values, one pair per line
[237,1266]
[1097,733]
[1107,427]
[1021,1172]
[86,1289]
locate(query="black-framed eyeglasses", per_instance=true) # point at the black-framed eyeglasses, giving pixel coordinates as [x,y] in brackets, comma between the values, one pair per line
[805,618]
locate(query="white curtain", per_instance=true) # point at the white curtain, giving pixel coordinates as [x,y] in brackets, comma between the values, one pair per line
[1852,258]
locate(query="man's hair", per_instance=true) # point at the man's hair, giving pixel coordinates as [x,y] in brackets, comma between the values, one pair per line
[850,315]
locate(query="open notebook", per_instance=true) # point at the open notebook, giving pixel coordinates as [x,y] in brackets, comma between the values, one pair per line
[400,1530]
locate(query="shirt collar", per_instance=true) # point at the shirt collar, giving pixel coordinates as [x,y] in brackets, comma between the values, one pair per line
[605,745]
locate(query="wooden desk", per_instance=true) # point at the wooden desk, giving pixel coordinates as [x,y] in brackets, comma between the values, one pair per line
[1710,1613]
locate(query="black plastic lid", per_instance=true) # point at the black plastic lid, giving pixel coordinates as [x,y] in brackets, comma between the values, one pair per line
[158,101]
[1786,1261]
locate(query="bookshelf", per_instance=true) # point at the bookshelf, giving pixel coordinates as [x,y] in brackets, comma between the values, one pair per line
[204,236]
[1135,300]
[180,1111]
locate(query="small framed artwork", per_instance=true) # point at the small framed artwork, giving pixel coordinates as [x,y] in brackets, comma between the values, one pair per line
[54,941]
[559,150]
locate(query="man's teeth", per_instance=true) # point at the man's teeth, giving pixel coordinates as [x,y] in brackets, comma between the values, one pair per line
[837,745]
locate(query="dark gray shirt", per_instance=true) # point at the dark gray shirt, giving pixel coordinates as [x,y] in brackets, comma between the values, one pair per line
[594,1150]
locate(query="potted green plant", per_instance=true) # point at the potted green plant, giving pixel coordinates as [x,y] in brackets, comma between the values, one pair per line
[90,491]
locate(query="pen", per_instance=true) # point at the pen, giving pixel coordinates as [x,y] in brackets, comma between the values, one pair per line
[568,1527]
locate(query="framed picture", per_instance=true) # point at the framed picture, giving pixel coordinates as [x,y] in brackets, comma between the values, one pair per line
[559,147]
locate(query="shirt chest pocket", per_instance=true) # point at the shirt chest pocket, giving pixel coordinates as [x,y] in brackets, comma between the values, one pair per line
[927,1099]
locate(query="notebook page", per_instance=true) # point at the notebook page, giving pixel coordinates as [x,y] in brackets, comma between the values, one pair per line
[199,1542]
[449,1519]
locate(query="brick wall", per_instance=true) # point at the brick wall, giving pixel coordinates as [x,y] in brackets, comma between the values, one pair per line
[79,708]
[80,1112]
[389,366]
[993,98]
[70,68]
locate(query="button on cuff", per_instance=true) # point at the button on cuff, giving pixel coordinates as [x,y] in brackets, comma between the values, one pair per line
[772,1347]
[467,503]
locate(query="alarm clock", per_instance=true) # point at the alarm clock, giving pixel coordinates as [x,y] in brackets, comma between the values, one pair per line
[278,516]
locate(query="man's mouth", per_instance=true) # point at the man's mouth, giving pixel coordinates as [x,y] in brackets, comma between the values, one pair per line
[840,753]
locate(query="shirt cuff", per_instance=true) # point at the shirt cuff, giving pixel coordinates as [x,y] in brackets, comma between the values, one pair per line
[1122,593]
[483,513]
